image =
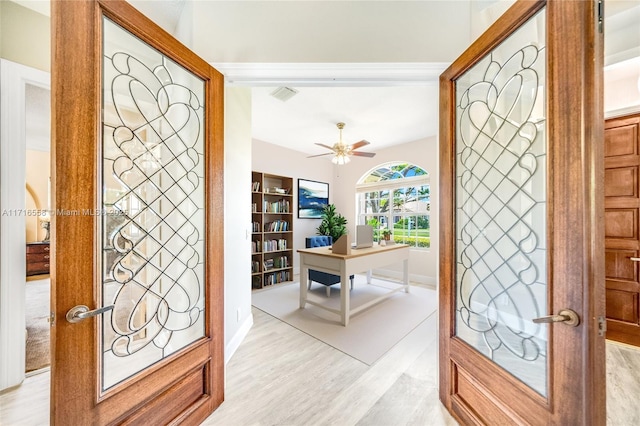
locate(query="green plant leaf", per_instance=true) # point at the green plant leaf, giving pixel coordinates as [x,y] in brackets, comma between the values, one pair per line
[333,224]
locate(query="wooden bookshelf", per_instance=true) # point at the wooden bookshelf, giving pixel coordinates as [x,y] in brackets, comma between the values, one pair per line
[272,229]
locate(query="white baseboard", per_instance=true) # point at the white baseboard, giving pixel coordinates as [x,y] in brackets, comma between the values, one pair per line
[397,275]
[235,342]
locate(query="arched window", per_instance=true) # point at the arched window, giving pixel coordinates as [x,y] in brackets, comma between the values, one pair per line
[396,198]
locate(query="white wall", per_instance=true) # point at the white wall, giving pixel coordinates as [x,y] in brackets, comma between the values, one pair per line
[330,31]
[423,264]
[237,217]
[274,159]
[623,94]
[484,13]
[184,26]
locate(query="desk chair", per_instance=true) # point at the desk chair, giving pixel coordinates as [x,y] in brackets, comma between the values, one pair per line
[318,276]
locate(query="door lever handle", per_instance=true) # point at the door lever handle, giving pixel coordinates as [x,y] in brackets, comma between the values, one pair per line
[635,259]
[80,312]
[566,316]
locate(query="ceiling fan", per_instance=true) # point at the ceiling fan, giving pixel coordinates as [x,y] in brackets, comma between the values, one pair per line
[342,151]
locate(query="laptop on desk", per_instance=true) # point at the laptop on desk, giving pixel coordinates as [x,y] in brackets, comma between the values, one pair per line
[364,237]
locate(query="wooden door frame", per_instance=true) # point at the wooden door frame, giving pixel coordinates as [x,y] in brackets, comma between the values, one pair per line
[576,206]
[76,124]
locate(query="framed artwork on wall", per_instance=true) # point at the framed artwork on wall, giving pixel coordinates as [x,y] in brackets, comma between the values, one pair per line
[312,198]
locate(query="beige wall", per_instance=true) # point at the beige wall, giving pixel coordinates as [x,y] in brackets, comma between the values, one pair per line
[24,36]
[622,94]
[37,175]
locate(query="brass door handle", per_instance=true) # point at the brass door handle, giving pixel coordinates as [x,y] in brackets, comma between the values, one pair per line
[80,312]
[566,316]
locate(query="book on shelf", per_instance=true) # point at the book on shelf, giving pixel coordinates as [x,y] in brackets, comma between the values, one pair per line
[277,277]
[280,206]
[268,264]
[256,246]
[281,262]
[255,267]
[274,245]
[276,226]
[277,190]
[255,186]
[255,227]
[256,282]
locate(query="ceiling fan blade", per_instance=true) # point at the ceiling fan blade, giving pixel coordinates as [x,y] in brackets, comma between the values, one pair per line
[363,154]
[326,146]
[359,144]
[320,155]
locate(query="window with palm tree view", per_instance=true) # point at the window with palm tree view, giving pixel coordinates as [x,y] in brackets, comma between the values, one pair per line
[395,199]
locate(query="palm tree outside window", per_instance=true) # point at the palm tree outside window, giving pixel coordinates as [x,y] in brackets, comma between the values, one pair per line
[396,197]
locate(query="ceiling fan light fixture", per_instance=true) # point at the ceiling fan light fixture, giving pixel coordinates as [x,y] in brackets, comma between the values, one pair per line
[340,159]
[343,152]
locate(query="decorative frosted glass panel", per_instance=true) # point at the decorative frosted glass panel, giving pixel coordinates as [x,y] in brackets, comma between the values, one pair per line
[501,209]
[153,206]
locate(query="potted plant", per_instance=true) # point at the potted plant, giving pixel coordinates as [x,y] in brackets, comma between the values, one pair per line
[386,234]
[333,224]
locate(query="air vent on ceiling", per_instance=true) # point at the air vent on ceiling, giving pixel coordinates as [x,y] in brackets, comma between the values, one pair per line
[284,93]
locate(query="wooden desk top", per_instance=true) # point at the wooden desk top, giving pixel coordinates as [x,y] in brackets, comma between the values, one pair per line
[326,251]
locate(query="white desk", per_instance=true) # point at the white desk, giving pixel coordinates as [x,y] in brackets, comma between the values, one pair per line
[324,260]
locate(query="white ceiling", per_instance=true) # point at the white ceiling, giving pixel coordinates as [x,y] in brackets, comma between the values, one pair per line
[364,33]
[383,116]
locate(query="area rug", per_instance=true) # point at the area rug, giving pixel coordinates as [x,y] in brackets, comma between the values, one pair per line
[38,333]
[370,333]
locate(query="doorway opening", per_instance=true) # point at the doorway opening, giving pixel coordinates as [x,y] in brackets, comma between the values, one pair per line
[37,227]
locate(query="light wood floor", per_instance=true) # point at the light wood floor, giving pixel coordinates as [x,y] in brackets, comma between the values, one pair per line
[623,384]
[281,376]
